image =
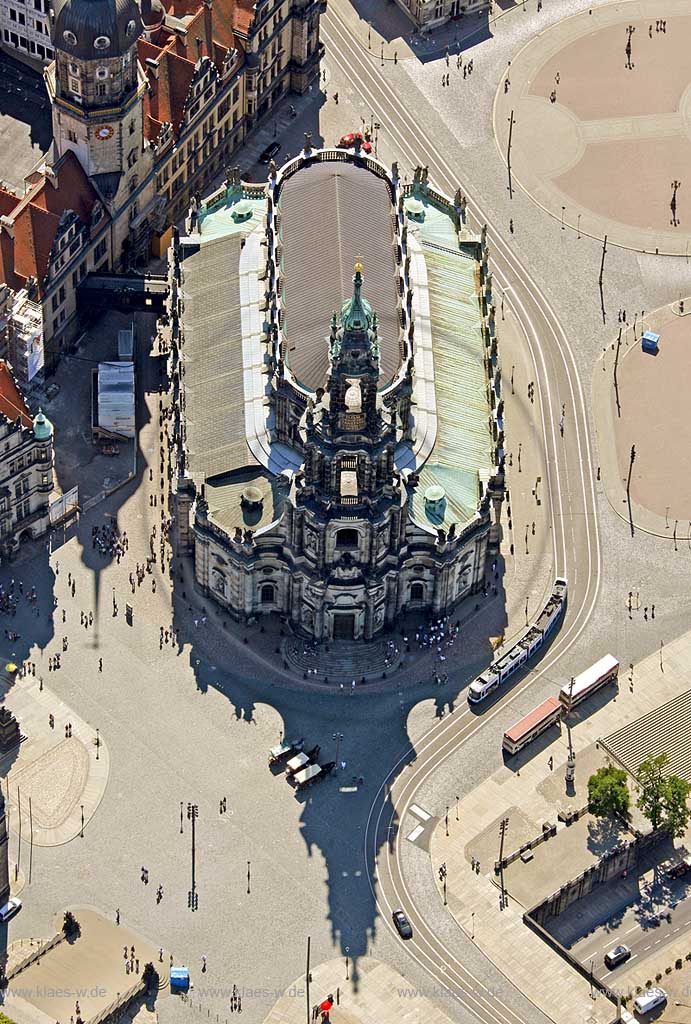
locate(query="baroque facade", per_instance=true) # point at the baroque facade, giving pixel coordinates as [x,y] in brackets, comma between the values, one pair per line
[26,467]
[429,14]
[149,104]
[328,469]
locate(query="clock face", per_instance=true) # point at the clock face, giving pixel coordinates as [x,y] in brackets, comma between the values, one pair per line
[104,132]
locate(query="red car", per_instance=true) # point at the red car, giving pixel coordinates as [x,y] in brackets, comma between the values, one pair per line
[355,140]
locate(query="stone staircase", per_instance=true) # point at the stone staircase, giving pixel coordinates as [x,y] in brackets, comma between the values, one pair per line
[342,661]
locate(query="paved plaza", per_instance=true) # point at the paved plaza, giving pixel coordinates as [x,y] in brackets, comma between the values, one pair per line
[644,406]
[598,139]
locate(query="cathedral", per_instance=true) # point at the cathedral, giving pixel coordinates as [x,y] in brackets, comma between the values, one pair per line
[339,436]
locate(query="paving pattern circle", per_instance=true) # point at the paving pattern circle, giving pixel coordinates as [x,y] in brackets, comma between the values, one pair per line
[600,137]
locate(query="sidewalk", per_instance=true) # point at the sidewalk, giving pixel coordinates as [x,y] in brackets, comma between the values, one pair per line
[529,794]
[529,571]
[60,776]
[381,997]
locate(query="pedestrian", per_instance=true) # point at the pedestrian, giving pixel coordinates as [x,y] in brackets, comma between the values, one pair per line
[160,954]
[117,916]
[652,611]
[645,613]
[203,958]
[100,664]
[511,225]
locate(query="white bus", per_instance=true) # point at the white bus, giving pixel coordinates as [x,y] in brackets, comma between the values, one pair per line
[536,721]
[602,672]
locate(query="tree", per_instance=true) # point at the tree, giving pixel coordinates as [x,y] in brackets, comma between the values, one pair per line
[675,807]
[70,925]
[650,785]
[663,798]
[608,794]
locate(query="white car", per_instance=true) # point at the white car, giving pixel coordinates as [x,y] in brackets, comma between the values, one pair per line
[11,908]
[650,1000]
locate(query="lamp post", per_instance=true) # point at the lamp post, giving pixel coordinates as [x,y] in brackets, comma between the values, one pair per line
[504,824]
[337,736]
[192,897]
[181,828]
[98,744]
[81,834]
[248,877]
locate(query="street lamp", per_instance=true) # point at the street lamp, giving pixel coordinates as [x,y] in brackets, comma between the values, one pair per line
[248,877]
[98,744]
[337,736]
[81,834]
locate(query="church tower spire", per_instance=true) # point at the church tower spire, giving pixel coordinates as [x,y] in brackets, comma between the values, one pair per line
[354,375]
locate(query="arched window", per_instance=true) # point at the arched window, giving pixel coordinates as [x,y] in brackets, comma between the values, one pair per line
[417,591]
[347,539]
[218,581]
[267,593]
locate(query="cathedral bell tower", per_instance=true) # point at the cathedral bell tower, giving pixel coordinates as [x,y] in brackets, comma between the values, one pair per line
[354,374]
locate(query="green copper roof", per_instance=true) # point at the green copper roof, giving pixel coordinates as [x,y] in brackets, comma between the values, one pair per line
[43,428]
[462,454]
[356,313]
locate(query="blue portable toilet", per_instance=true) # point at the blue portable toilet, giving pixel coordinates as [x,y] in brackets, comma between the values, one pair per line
[179,979]
[649,342]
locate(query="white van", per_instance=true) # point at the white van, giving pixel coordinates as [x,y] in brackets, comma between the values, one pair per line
[10,909]
[650,1000]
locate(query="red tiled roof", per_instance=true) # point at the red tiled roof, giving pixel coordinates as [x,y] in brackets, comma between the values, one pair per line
[12,403]
[35,219]
[177,54]
[243,15]
[8,201]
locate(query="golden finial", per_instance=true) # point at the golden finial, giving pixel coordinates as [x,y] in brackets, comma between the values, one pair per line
[358,266]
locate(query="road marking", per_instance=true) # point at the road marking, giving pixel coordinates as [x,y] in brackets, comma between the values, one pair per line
[419,813]
[416,833]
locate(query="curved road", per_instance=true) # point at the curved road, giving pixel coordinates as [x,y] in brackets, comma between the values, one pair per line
[571,490]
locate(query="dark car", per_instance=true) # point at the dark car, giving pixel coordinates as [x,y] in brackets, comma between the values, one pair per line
[403,926]
[269,153]
[617,956]
[680,869]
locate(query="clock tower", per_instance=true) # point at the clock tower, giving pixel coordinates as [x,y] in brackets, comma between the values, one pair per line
[96,87]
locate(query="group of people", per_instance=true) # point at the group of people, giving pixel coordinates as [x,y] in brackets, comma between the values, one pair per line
[109,541]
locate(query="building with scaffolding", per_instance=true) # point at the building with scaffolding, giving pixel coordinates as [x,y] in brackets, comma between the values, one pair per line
[339,434]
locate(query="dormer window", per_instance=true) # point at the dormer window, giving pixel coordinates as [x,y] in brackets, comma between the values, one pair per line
[101,43]
[69,37]
[101,73]
[131,27]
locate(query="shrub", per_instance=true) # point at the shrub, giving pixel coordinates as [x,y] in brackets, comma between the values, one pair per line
[658,976]
[678,963]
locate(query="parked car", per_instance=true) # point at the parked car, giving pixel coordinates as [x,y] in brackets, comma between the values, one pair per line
[269,153]
[12,907]
[680,869]
[402,924]
[650,1000]
[617,956]
[354,140]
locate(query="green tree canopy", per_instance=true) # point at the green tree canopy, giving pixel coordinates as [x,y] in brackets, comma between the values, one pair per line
[663,799]
[608,793]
